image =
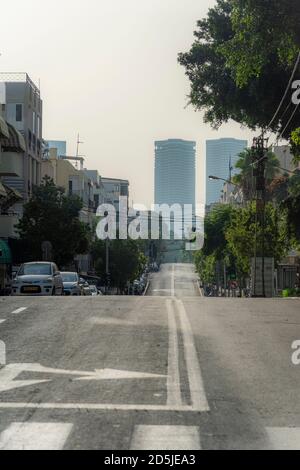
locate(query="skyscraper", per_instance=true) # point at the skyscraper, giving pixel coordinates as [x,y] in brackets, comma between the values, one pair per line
[60,145]
[175,172]
[221,157]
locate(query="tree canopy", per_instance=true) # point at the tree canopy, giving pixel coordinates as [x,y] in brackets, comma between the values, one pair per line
[51,215]
[126,260]
[241,61]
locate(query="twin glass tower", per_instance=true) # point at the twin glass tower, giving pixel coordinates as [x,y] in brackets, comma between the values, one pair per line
[175,172]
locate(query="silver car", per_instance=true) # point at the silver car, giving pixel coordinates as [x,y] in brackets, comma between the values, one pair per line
[38,278]
[71,284]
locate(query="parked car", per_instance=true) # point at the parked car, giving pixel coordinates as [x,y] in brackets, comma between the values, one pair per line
[94,291]
[85,287]
[38,278]
[71,283]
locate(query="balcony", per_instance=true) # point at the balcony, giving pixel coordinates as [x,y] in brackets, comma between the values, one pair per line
[7,226]
[11,164]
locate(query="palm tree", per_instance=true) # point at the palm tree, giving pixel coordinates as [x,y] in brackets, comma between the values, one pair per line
[246,176]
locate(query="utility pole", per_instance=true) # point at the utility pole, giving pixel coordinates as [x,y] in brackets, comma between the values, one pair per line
[107,266]
[260,150]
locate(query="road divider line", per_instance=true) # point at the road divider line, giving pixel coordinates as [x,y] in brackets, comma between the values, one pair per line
[2,321]
[173,281]
[284,438]
[173,384]
[198,395]
[35,436]
[165,438]
[19,310]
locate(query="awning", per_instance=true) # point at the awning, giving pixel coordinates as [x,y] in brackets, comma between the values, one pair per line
[11,197]
[3,193]
[5,253]
[3,128]
[14,142]
[12,192]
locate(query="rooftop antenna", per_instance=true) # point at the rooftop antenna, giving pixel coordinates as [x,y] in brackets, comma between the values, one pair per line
[79,142]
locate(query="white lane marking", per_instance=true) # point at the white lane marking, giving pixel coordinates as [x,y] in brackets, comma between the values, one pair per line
[197,390]
[35,436]
[165,438]
[19,310]
[284,438]
[91,407]
[173,384]
[7,379]
[173,281]
[2,321]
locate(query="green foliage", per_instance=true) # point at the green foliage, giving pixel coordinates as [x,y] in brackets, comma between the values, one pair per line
[230,239]
[126,260]
[295,144]
[241,61]
[245,178]
[292,206]
[52,216]
[243,231]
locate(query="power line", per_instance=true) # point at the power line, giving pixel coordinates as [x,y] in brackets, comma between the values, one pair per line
[289,121]
[286,91]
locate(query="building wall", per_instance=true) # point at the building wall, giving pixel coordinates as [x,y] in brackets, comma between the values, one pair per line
[175,172]
[218,155]
[23,109]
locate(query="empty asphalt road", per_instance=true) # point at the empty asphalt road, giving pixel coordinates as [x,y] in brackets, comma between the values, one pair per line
[170,370]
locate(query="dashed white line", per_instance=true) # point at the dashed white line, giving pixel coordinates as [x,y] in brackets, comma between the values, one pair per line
[197,390]
[2,321]
[35,436]
[173,384]
[19,310]
[284,438]
[166,438]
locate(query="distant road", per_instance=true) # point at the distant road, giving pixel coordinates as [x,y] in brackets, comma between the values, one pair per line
[178,280]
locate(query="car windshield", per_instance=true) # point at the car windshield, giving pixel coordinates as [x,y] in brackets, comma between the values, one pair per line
[35,269]
[69,277]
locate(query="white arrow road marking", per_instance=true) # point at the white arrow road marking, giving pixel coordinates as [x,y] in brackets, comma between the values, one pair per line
[111,374]
[19,310]
[165,438]
[35,436]
[8,375]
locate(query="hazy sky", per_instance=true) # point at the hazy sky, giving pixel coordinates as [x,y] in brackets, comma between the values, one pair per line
[108,69]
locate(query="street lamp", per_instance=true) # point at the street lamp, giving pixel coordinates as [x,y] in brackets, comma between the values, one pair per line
[217,178]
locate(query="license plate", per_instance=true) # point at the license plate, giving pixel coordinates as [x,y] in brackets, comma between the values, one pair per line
[31,289]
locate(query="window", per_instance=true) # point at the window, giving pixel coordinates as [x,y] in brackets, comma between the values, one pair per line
[70,186]
[29,139]
[19,113]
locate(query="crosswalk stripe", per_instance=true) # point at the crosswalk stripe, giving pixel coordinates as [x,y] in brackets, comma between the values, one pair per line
[35,436]
[284,438]
[166,438]
[19,310]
